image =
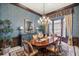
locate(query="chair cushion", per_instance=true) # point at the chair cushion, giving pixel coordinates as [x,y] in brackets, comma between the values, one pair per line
[21,53]
[6,50]
[26,48]
[7,54]
[18,52]
[53,48]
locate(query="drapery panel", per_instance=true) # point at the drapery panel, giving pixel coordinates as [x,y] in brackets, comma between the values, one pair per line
[68,19]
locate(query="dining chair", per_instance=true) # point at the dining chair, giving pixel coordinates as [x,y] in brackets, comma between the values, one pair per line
[29,48]
[14,51]
[17,51]
[55,47]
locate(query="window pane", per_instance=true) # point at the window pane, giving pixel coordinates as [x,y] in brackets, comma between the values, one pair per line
[57,27]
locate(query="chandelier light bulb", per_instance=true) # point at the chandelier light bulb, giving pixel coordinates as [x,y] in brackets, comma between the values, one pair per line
[43,17]
[38,21]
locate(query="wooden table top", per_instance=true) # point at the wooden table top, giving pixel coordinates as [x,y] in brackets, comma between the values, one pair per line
[42,43]
[39,44]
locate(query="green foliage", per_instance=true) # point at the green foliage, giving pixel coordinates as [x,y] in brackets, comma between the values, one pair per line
[1,37]
[6,29]
[1,21]
[41,28]
[8,22]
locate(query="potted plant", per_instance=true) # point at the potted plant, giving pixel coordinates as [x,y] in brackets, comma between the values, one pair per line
[5,32]
[41,28]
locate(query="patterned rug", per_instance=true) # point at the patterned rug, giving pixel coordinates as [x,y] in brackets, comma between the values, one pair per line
[65,50]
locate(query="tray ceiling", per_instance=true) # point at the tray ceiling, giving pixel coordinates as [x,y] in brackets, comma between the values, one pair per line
[49,7]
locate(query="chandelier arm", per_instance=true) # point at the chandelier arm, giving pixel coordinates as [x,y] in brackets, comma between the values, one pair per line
[43,8]
[44,19]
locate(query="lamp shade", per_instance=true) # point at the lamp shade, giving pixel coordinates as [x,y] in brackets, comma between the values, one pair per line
[21,27]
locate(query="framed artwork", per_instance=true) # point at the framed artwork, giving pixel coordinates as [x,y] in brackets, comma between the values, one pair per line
[27,25]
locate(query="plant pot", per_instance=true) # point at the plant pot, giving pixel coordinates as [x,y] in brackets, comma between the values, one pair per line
[1,42]
[5,43]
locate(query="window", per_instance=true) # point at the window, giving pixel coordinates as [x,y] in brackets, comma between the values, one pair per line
[50,28]
[57,27]
[60,27]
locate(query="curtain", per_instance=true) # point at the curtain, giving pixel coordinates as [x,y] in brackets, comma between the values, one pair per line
[68,19]
[61,12]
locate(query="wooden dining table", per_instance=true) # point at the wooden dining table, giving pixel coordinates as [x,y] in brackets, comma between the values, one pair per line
[41,45]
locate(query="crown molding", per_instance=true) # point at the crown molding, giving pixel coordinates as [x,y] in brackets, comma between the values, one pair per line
[25,8]
[69,6]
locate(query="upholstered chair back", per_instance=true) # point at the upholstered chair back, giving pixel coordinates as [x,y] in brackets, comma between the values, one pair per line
[27,47]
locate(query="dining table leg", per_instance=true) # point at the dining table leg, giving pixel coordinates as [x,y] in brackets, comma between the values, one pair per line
[43,51]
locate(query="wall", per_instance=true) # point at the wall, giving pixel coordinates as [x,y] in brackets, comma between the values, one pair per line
[76,22]
[16,15]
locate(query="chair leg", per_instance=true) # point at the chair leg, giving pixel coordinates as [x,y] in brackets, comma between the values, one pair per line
[60,49]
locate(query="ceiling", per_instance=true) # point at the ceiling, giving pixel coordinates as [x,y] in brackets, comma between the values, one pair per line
[49,7]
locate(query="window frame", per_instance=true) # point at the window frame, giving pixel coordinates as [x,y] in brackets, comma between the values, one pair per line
[58,18]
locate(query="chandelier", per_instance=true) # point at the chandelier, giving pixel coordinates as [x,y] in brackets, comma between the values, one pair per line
[44,20]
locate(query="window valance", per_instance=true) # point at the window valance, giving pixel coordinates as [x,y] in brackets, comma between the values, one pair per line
[62,12]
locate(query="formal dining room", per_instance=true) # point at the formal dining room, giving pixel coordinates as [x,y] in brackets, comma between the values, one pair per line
[39,29]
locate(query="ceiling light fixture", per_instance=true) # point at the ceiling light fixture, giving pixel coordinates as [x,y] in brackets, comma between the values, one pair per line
[44,19]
